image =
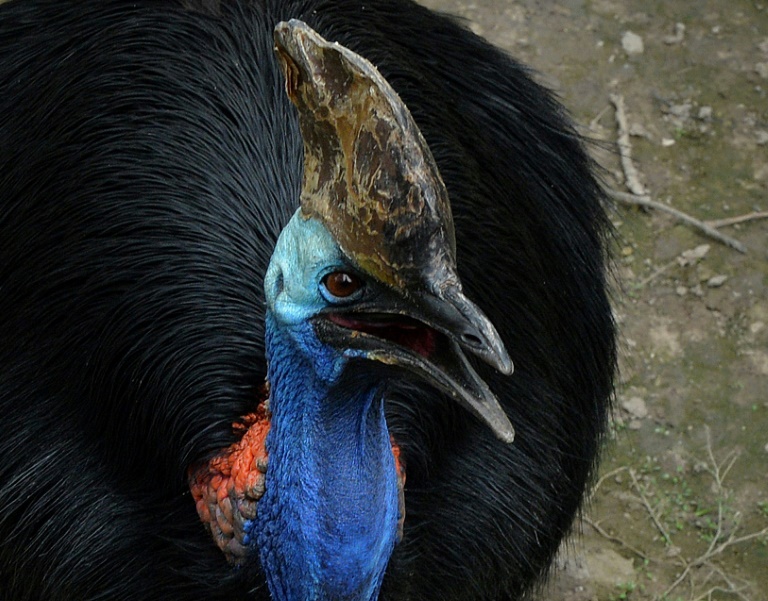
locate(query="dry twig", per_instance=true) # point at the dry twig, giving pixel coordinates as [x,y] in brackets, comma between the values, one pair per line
[631,175]
[704,228]
[606,535]
[595,122]
[754,216]
[641,492]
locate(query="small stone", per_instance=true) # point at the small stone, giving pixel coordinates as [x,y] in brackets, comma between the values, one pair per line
[697,290]
[638,131]
[678,36]
[667,142]
[636,407]
[766,447]
[693,255]
[757,327]
[626,251]
[705,113]
[635,424]
[632,43]
[681,111]
[761,137]
[716,281]
[681,291]
[673,551]
[762,70]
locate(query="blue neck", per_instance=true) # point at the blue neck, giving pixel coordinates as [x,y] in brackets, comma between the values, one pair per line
[327,522]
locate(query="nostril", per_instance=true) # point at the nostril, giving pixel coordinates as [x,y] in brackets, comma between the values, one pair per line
[471,339]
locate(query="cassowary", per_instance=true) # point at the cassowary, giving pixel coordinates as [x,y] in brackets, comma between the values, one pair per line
[264,269]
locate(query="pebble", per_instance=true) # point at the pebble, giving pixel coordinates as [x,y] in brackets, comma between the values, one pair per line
[693,255]
[705,113]
[636,407]
[682,111]
[681,290]
[678,35]
[762,70]
[667,142]
[637,130]
[716,281]
[632,43]
[762,137]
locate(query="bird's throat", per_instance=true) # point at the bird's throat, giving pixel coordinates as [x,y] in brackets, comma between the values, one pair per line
[330,515]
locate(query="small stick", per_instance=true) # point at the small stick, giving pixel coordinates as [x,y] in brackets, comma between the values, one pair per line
[604,477]
[738,219]
[594,123]
[643,283]
[625,147]
[649,509]
[645,201]
[602,532]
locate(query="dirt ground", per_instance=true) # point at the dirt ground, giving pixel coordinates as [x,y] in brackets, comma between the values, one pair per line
[681,508]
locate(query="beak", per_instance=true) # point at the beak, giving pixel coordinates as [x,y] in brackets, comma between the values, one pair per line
[427,336]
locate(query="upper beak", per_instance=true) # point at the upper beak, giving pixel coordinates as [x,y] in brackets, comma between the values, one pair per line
[373,331]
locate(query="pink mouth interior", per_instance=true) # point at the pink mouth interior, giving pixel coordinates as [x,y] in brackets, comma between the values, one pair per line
[399,329]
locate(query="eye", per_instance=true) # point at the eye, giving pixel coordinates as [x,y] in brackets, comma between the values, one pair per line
[341,284]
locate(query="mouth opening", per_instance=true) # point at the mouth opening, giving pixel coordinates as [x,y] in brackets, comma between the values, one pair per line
[400,329]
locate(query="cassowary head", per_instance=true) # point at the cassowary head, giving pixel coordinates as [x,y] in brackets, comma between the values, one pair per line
[362,288]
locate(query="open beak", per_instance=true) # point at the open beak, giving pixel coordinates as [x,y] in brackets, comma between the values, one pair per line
[427,336]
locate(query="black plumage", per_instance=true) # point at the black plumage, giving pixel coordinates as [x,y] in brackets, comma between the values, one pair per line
[149,158]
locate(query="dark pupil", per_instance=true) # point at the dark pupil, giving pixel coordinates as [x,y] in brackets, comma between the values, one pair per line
[341,284]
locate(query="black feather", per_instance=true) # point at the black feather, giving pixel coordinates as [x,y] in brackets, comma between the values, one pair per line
[148,160]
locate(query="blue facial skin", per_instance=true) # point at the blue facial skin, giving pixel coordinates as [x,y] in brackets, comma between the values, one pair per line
[327,523]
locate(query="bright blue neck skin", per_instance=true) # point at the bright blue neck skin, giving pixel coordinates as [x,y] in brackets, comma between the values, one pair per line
[327,523]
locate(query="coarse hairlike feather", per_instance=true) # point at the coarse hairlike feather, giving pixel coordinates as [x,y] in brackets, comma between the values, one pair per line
[149,159]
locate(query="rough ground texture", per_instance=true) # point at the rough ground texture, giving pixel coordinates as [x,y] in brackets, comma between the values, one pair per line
[681,509]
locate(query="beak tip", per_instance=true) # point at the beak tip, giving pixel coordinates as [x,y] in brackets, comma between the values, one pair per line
[505,365]
[501,427]
[507,436]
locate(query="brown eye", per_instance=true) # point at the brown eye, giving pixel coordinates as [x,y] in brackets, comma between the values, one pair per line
[341,284]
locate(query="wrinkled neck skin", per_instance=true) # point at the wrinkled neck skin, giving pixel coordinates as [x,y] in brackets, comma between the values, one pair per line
[327,523]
